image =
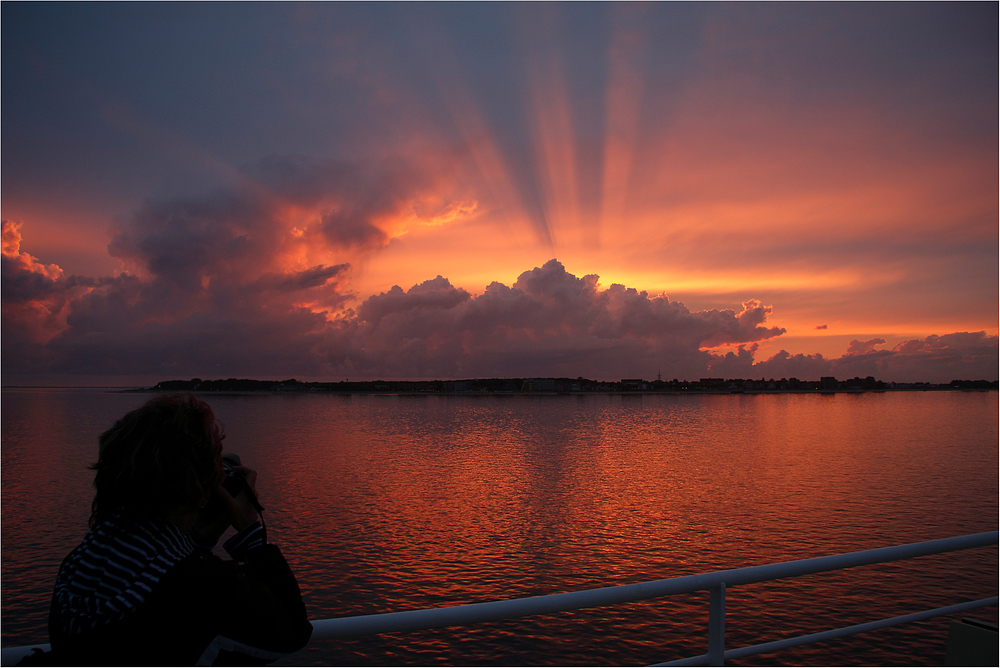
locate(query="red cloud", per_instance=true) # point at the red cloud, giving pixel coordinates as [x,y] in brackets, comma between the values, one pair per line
[35,295]
[191,317]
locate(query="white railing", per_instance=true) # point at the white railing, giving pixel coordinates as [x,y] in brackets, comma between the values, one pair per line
[715,583]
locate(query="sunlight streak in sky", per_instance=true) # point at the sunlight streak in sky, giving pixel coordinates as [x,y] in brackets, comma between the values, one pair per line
[460,162]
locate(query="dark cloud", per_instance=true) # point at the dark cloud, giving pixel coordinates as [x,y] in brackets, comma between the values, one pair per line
[216,287]
[352,229]
[303,280]
[549,322]
[434,297]
[235,256]
[961,355]
[191,313]
[182,241]
[218,283]
[939,359]
[277,206]
[857,347]
[785,365]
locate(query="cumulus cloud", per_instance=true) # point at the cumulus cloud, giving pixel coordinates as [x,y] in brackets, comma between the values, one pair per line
[961,355]
[550,319]
[404,307]
[785,365]
[251,279]
[222,289]
[549,322]
[192,311]
[939,359]
[220,282]
[857,347]
[36,296]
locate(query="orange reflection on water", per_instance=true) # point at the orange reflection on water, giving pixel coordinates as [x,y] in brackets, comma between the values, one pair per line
[385,503]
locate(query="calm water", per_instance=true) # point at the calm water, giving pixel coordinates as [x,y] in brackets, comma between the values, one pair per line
[385,503]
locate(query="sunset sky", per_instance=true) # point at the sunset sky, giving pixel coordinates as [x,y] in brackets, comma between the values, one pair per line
[403,190]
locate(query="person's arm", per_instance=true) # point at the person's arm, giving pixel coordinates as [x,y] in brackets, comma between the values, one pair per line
[266,611]
[223,511]
[262,614]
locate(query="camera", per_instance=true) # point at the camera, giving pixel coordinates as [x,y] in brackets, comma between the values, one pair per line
[234,482]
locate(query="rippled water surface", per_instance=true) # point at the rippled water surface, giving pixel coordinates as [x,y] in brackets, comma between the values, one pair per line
[386,503]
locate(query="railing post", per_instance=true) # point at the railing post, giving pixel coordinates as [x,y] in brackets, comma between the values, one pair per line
[717,625]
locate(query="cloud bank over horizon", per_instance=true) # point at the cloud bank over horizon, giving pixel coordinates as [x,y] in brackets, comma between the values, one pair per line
[212,299]
[446,190]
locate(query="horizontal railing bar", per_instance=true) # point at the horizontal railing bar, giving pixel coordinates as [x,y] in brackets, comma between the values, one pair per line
[860,628]
[460,615]
[776,645]
[11,656]
[700,660]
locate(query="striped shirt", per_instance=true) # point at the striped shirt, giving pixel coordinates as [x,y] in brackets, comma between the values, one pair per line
[115,568]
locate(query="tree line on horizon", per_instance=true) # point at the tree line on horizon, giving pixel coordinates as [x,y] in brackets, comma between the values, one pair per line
[561,385]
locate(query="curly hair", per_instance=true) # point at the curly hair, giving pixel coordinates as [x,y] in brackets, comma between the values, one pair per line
[158,459]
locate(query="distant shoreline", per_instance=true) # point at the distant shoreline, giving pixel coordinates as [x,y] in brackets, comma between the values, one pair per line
[527,387]
[561,386]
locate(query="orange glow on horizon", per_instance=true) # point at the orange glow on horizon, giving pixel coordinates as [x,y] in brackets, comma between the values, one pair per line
[727,174]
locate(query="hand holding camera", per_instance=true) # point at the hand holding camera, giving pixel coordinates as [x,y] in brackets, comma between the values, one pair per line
[240,480]
[239,483]
[233,503]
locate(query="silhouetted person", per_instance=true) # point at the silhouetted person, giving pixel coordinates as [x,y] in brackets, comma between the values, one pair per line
[143,587]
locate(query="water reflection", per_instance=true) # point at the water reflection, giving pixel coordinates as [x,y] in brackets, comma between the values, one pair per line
[389,503]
